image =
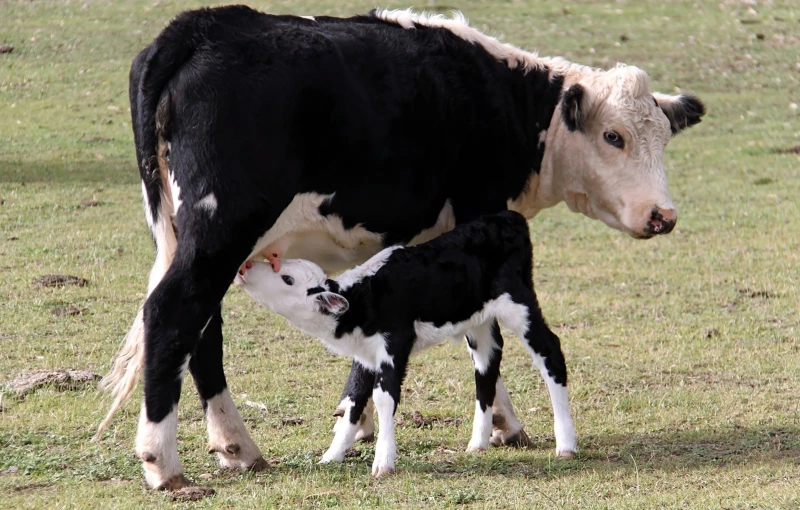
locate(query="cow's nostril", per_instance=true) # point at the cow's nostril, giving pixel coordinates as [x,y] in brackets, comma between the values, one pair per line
[661,222]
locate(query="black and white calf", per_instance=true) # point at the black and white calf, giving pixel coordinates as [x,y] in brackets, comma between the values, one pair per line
[402,300]
[329,139]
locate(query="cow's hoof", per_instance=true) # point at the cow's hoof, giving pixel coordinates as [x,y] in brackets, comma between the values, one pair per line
[381,471]
[192,493]
[258,465]
[234,456]
[176,483]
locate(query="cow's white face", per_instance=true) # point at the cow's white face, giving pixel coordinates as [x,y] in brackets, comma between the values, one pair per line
[298,291]
[609,149]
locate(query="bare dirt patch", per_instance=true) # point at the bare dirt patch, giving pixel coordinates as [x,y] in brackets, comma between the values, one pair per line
[59,280]
[28,382]
[416,419]
[61,311]
[192,493]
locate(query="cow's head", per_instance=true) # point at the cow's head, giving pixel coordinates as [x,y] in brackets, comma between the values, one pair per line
[609,151]
[299,291]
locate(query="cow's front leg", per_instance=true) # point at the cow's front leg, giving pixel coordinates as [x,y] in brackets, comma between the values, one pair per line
[227,435]
[353,404]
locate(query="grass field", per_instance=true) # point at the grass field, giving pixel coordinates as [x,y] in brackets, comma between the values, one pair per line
[683,351]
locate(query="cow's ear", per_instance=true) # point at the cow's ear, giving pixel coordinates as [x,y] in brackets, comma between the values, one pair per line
[574,108]
[331,303]
[683,111]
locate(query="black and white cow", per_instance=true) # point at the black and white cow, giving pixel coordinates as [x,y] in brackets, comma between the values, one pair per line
[461,284]
[329,139]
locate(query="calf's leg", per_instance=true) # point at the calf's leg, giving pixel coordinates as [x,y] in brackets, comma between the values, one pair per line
[486,349]
[526,320]
[506,428]
[386,395]
[354,400]
[359,377]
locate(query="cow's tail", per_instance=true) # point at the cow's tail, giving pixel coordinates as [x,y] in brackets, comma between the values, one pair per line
[151,108]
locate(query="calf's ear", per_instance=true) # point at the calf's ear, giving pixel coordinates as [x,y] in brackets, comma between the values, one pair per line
[574,107]
[682,111]
[331,303]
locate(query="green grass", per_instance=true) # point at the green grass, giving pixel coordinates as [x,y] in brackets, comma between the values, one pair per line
[683,351]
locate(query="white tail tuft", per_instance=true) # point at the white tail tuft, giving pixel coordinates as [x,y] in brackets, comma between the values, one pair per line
[124,374]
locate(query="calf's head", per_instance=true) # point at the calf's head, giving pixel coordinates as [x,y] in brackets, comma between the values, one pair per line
[300,291]
[610,157]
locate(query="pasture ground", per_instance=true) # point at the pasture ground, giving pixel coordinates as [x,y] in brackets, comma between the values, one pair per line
[683,351]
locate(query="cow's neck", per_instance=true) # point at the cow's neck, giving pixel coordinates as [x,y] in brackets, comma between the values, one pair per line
[542,190]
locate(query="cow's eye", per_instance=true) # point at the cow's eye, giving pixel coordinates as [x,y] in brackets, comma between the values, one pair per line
[613,138]
[288,280]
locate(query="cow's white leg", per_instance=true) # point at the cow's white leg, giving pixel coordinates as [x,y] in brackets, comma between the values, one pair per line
[507,429]
[156,446]
[228,436]
[486,348]
[386,447]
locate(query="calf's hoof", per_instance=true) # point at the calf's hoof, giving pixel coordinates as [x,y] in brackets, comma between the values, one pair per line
[476,448]
[565,454]
[331,457]
[381,471]
[518,439]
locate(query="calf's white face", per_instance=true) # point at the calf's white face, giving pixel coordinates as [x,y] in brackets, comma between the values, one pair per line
[610,157]
[298,291]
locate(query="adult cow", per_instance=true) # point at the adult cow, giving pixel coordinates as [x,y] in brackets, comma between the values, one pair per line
[329,139]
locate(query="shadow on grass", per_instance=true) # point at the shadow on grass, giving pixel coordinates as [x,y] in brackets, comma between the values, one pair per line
[111,171]
[657,451]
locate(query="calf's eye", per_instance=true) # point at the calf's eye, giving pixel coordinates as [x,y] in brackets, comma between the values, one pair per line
[288,280]
[613,138]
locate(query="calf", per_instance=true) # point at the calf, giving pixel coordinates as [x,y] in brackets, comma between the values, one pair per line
[403,300]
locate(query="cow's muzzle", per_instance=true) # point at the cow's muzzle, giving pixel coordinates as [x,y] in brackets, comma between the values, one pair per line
[661,221]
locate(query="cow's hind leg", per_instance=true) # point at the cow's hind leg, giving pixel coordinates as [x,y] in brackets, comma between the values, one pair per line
[486,349]
[524,317]
[354,401]
[175,313]
[227,434]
